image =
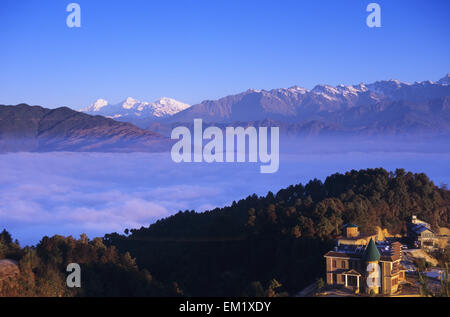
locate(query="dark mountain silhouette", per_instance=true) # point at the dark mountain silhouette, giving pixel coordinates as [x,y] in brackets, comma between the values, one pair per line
[34,128]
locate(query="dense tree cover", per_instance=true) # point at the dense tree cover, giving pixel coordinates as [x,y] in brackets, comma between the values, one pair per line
[258,246]
[8,248]
[283,236]
[104,271]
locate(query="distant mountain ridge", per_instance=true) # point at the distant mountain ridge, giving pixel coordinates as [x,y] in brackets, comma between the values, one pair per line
[37,129]
[297,101]
[388,106]
[381,108]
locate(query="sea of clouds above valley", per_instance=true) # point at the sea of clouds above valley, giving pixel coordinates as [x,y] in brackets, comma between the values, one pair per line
[97,193]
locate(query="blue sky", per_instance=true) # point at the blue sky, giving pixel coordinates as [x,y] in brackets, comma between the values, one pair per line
[193,50]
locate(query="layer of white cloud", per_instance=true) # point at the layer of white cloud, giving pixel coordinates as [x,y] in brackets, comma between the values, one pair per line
[97,193]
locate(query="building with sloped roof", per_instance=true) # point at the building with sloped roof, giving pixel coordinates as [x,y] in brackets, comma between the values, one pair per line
[365,266]
[421,235]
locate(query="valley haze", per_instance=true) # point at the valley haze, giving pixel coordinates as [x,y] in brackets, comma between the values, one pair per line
[70,193]
[69,172]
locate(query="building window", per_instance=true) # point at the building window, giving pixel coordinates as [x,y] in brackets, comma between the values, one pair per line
[343,265]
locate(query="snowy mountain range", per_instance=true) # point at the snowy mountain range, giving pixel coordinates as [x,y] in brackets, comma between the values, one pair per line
[383,107]
[134,111]
[296,104]
[386,106]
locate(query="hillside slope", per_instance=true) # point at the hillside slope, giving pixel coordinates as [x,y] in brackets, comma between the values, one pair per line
[240,249]
[34,128]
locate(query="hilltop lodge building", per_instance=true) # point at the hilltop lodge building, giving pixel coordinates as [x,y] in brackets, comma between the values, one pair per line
[361,264]
[422,236]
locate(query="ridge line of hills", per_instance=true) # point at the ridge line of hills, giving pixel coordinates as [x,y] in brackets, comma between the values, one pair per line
[384,108]
[37,129]
[338,107]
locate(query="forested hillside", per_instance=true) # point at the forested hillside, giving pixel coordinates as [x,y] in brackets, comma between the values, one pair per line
[258,246]
[241,249]
[105,272]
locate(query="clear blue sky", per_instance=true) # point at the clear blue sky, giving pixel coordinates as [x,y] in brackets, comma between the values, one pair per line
[193,50]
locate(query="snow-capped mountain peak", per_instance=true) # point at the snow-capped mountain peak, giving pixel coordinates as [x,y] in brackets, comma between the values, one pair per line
[132,108]
[298,89]
[167,107]
[326,89]
[129,103]
[96,106]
